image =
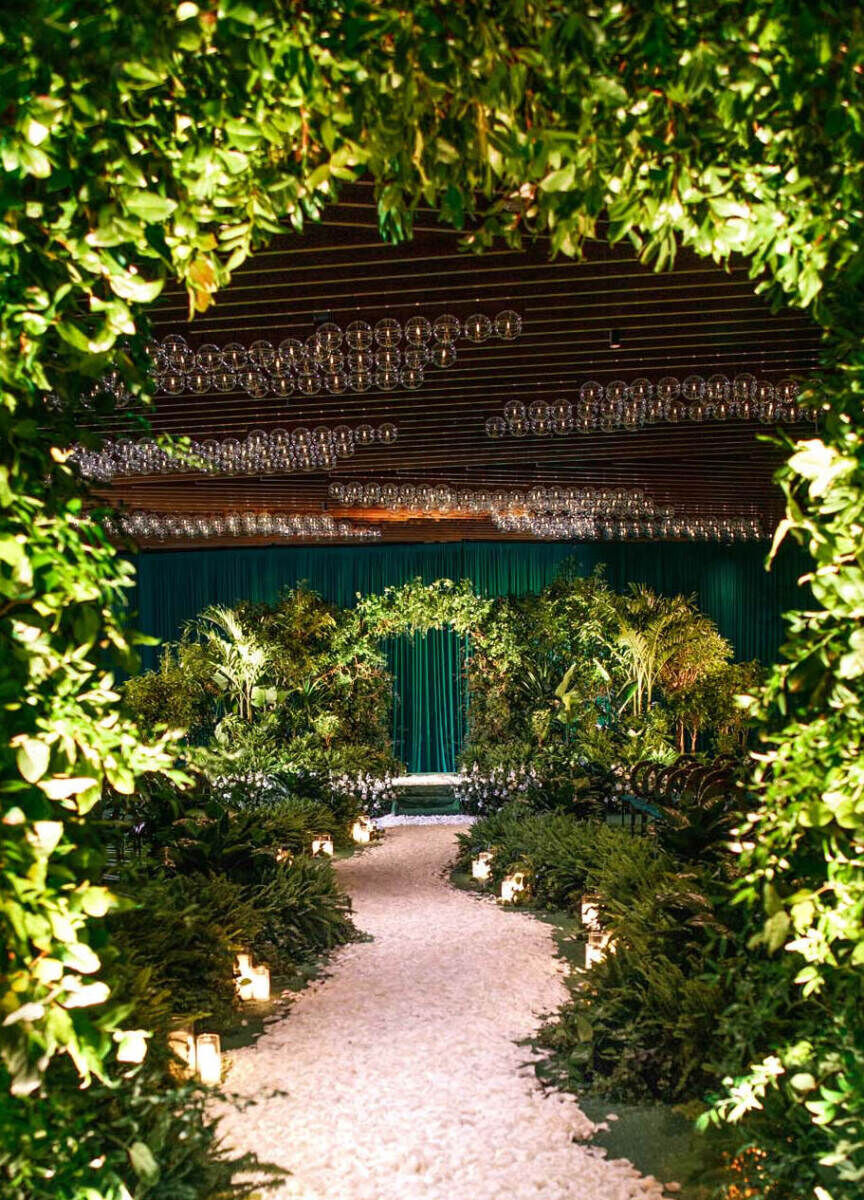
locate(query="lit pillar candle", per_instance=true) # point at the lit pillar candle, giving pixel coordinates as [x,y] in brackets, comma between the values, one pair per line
[599,944]
[208,1057]
[512,885]
[260,983]
[243,971]
[481,866]
[361,830]
[322,843]
[590,910]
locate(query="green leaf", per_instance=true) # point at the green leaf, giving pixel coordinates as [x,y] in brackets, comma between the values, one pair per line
[149,206]
[32,758]
[143,1163]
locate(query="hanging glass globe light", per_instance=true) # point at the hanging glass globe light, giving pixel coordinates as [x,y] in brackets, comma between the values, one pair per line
[561,410]
[718,389]
[388,332]
[693,388]
[538,410]
[361,360]
[255,383]
[418,331]
[412,378]
[387,358]
[208,357]
[225,381]
[308,382]
[508,325]
[360,381]
[443,356]
[301,437]
[641,390]
[387,433]
[743,386]
[787,390]
[328,336]
[477,327]
[519,427]
[261,354]
[198,382]
[416,357]
[389,494]
[282,385]
[333,360]
[364,434]
[359,335]
[173,383]
[496,427]
[446,329]
[293,352]
[234,356]
[336,382]
[591,393]
[763,392]
[387,380]
[668,389]
[617,391]
[514,410]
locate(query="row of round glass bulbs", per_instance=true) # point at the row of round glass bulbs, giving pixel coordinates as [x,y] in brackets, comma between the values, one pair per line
[443,498]
[639,403]
[259,453]
[374,357]
[589,526]
[164,526]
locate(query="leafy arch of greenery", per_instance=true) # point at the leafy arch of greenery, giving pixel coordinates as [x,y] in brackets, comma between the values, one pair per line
[152,140]
[417,607]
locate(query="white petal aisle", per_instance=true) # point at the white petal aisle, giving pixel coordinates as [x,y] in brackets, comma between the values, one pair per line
[403,1077]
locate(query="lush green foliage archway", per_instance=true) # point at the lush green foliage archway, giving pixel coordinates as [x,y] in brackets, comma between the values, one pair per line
[142,141]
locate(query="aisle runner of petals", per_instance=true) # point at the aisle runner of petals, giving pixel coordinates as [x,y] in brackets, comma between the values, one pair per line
[401,1073]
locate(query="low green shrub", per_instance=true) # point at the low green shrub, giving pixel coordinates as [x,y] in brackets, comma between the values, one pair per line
[303,912]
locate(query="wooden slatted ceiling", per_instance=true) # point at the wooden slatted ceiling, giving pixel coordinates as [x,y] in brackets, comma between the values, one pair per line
[696,318]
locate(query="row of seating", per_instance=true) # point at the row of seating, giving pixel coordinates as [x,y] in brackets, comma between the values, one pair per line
[648,787]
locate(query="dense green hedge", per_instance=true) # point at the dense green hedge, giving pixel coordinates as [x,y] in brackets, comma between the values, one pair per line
[155,139]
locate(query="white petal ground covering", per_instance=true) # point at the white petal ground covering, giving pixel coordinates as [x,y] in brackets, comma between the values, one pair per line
[401,1073]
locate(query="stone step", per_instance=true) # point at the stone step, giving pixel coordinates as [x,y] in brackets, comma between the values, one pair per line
[425,796]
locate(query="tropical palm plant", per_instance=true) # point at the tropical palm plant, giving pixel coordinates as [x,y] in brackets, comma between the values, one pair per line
[240,660]
[654,632]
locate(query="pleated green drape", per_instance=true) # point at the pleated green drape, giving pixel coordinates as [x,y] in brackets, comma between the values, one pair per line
[429,698]
[730,583]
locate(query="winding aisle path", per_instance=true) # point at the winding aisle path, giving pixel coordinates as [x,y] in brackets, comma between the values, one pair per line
[402,1075]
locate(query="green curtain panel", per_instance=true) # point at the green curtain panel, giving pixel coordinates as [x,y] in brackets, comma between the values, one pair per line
[430,713]
[730,584]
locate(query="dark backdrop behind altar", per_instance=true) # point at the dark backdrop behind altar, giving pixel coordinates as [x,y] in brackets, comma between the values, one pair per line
[730,583]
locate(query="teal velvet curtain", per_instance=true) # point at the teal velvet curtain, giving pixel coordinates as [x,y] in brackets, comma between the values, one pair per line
[730,584]
[430,706]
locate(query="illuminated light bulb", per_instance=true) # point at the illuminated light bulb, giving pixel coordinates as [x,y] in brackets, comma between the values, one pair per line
[208,1058]
[508,325]
[477,328]
[481,866]
[418,331]
[388,332]
[446,329]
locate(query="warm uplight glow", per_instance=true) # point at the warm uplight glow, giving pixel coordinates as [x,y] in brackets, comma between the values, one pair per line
[322,843]
[481,866]
[599,945]
[590,910]
[260,983]
[133,1046]
[208,1057]
[361,830]
[511,886]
